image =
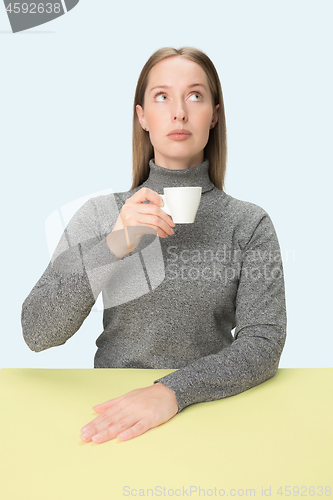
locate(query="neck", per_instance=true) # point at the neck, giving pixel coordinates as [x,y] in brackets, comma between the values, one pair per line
[160,177]
[178,163]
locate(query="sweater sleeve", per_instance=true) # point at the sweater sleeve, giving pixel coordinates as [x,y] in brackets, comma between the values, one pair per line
[260,311]
[79,268]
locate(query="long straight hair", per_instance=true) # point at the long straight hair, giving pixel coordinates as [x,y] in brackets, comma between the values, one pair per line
[216,147]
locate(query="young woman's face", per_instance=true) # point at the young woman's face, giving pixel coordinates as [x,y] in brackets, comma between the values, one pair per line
[178,97]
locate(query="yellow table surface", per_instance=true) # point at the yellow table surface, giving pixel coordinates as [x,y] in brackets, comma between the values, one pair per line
[278,434]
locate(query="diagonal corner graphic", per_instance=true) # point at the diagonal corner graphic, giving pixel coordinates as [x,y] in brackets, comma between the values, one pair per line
[23,15]
[75,234]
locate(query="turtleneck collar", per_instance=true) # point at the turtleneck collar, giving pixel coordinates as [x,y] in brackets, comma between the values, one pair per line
[160,177]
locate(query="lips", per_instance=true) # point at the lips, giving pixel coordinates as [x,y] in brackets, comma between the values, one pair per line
[180,131]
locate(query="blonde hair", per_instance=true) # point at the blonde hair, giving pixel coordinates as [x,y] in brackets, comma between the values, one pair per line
[216,148]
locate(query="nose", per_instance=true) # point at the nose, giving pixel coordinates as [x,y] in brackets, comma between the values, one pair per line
[179,112]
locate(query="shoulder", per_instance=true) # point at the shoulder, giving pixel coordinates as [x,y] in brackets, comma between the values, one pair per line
[245,218]
[239,210]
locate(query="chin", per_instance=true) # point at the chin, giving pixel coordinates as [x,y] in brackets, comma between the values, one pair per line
[182,151]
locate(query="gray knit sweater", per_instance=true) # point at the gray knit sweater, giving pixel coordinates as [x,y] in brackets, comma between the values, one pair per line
[173,302]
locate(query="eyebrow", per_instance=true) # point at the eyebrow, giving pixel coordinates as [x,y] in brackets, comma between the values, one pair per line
[168,86]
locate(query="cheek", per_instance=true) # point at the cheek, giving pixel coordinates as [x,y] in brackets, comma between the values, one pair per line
[154,122]
[207,117]
[154,130]
[204,124]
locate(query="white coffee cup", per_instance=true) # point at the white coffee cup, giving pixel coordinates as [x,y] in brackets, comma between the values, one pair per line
[181,203]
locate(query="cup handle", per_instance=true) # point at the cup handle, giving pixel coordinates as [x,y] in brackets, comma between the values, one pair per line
[165,207]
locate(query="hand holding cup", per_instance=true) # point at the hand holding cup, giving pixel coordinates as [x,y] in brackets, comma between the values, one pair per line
[137,218]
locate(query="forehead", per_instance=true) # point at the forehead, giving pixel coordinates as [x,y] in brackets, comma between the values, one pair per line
[176,71]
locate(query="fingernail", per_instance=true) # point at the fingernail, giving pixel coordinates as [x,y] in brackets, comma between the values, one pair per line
[85,434]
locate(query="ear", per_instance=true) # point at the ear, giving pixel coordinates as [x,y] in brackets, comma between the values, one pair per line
[215,116]
[141,116]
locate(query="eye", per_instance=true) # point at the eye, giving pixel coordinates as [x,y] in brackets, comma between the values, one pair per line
[196,95]
[160,95]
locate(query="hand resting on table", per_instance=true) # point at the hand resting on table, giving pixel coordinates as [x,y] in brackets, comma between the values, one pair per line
[132,414]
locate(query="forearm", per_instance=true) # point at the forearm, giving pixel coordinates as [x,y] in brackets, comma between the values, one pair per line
[52,313]
[250,360]
[65,294]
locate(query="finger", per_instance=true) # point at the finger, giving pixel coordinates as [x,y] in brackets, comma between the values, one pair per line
[157,211]
[150,215]
[145,194]
[157,222]
[104,406]
[139,224]
[136,430]
[105,419]
[136,213]
[113,430]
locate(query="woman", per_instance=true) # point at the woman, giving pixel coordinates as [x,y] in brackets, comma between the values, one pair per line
[220,273]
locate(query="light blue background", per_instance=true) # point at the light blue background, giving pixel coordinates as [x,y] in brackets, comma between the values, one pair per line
[67,90]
